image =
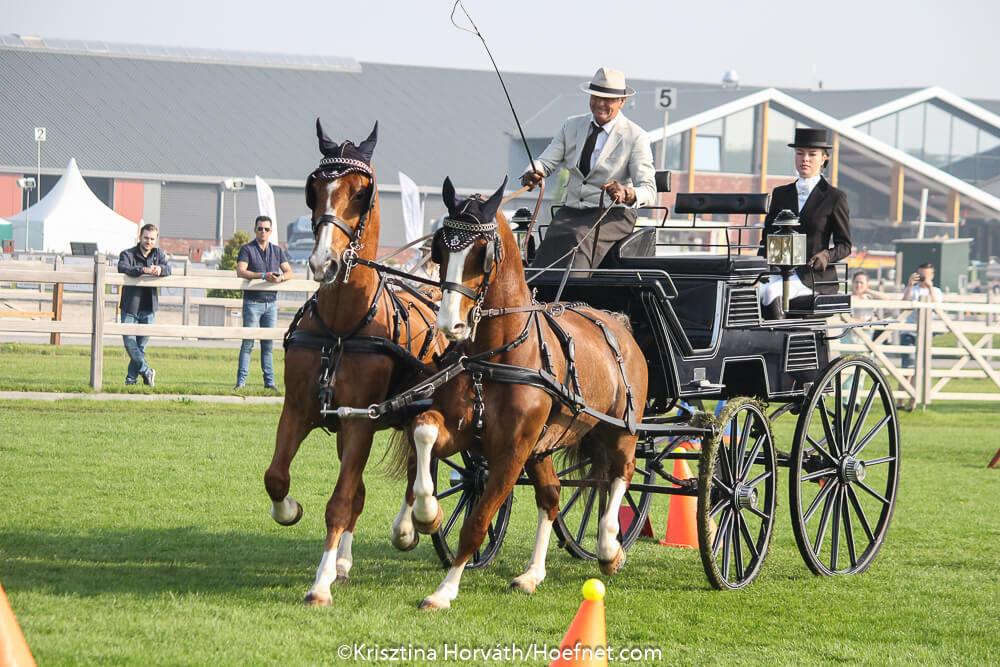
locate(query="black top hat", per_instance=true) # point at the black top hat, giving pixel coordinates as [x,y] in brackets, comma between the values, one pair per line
[809,137]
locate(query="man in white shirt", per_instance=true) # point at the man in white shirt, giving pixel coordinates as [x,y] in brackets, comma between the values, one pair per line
[604,152]
[919,286]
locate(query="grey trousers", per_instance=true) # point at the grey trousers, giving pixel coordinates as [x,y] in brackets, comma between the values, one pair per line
[570,225]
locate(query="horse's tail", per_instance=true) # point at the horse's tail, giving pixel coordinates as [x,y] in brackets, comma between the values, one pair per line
[397,453]
[588,460]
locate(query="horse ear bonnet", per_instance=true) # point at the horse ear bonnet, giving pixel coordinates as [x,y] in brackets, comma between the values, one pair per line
[347,150]
[467,221]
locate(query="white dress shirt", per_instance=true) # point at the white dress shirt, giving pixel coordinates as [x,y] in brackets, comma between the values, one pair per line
[804,187]
[602,138]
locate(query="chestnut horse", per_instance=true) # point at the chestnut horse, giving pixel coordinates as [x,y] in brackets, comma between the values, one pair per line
[356,329]
[512,412]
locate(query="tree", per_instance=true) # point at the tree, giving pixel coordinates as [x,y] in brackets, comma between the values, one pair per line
[228,263]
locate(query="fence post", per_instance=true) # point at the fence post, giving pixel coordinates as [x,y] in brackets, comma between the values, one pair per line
[186,315]
[97,332]
[57,301]
[924,355]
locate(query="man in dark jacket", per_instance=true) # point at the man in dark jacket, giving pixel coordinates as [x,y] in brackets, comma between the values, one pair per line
[823,215]
[139,304]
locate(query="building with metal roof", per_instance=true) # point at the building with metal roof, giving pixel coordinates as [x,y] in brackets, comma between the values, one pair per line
[158,131]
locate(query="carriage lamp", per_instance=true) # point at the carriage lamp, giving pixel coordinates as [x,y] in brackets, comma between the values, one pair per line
[520,225]
[786,248]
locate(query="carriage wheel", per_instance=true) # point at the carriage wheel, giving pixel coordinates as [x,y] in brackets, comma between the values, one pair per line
[581,507]
[844,468]
[737,487]
[460,486]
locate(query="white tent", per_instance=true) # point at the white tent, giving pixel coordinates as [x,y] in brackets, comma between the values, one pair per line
[72,212]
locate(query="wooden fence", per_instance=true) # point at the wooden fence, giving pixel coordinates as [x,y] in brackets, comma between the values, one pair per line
[935,366]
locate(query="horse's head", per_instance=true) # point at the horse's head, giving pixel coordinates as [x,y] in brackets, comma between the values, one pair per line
[469,250]
[341,195]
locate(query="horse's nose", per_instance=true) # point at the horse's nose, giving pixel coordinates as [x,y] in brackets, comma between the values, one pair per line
[457,331]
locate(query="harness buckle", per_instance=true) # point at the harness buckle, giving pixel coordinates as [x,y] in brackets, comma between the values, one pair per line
[557,310]
[350,259]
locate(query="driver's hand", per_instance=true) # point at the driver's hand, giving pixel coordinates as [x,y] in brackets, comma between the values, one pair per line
[616,191]
[532,178]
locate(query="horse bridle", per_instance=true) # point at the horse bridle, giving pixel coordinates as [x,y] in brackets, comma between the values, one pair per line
[330,169]
[468,233]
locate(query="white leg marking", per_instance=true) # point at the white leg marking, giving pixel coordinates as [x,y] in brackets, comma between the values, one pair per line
[326,573]
[425,505]
[449,314]
[607,539]
[284,511]
[403,532]
[535,574]
[447,591]
[344,558]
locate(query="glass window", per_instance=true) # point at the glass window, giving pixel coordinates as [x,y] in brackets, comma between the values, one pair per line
[963,138]
[988,162]
[937,136]
[780,133]
[707,153]
[674,153]
[884,129]
[713,129]
[737,156]
[911,130]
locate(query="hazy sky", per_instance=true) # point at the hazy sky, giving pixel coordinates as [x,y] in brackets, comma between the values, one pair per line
[844,43]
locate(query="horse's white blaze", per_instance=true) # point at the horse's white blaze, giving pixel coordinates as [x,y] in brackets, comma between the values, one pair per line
[344,558]
[448,589]
[321,255]
[425,504]
[607,538]
[449,314]
[284,511]
[535,574]
[402,527]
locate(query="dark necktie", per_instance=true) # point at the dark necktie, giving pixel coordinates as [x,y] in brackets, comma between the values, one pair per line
[588,148]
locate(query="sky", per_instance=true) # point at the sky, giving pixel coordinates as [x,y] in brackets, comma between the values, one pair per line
[846,44]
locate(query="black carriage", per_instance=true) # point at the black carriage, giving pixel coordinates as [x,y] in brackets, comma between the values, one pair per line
[697,316]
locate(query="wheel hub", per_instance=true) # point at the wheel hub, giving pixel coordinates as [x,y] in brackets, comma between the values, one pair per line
[852,469]
[745,497]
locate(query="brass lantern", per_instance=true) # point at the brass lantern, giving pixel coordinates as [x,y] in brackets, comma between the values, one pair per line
[520,225]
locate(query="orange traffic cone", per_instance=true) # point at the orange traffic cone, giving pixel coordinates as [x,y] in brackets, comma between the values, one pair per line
[586,640]
[13,647]
[682,526]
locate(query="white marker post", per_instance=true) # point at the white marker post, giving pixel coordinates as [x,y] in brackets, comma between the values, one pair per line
[39,138]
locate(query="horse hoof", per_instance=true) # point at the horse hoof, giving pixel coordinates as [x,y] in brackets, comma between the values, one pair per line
[316,600]
[615,564]
[407,547]
[294,520]
[341,579]
[430,527]
[430,604]
[525,586]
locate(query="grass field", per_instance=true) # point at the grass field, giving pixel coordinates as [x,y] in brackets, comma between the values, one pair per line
[138,534]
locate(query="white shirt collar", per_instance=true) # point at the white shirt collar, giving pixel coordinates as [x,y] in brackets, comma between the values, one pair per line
[808,184]
[607,127]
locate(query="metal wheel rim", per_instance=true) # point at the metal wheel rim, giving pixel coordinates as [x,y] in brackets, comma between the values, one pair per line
[832,509]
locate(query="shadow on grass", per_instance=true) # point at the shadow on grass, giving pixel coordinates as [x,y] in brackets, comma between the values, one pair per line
[189,560]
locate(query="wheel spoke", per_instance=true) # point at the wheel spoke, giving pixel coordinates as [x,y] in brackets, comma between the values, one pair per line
[450,492]
[738,548]
[871,434]
[727,546]
[853,497]
[722,504]
[828,431]
[759,478]
[572,499]
[823,520]
[872,491]
[823,493]
[585,519]
[849,532]
[462,502]
[490,532]
[835,538]
[757,512]
[631,503]
[862,416]
[825,472]
[752,456]
[747,537]
[573,468]
[818,447]
[851,398]
[883,459]
[720,533]
[738,451]
[725,487]
[456,466]
[838,412]
[723,455]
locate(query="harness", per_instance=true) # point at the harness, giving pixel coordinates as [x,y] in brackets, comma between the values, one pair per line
[332,168]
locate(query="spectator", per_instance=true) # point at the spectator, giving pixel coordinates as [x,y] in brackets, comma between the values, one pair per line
[920,285]
[138,304]
[260,259]
[861,291]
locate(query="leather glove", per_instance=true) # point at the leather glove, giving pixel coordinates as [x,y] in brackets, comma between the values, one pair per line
[531,178]
[820,260]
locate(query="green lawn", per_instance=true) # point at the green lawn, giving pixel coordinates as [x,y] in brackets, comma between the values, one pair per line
[179,370]
[139,535]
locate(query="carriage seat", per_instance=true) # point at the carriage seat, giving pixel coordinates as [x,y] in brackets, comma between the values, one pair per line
[819,305]
[638,251]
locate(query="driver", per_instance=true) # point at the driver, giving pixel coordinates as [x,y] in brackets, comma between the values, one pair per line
[602,150]
[823,217]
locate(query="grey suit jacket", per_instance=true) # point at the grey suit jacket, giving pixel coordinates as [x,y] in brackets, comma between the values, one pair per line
[626,157]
